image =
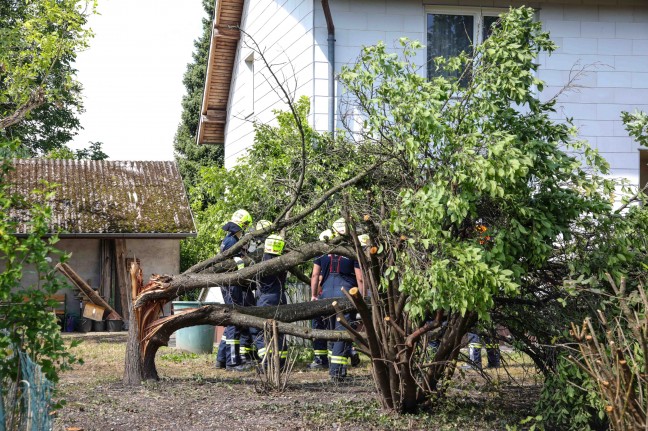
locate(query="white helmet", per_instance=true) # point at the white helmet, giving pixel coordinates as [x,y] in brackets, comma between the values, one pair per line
[262,224]
[340,227]
[326,235]
[364,240]
[274,244]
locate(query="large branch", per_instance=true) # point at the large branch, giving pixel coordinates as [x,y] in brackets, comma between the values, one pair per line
[36,99]
[223,315]
[170,287]
[236,248]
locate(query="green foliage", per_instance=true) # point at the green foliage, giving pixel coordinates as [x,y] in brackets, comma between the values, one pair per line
[637,126]
[38,45]
[569,401]
[27,282]
[189,155]
[92,152]
[485,153]
[264,182]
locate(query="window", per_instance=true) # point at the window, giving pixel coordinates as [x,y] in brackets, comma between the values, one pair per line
[451,31]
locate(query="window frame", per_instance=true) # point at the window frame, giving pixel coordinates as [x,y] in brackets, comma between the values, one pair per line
[477,12]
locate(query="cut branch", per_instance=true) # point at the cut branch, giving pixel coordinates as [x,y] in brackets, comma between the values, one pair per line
[169,287]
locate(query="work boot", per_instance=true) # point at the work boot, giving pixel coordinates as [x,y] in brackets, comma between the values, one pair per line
[355,359]
[239,368]
[220,365]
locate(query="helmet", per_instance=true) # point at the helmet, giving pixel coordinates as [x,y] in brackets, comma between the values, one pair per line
[242,218]
[274,244]
[262,224]
[326,235]
[364,240]
[340,227]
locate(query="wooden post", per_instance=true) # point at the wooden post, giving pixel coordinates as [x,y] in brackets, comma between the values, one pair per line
[123,284]
[276,355]
[105,286]
[66,270]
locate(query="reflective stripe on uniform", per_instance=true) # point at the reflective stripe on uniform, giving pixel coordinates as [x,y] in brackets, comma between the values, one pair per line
[341,360]
[475,345]
[283,354]
[492,346]
[239,262]
[320,352]
[232,341]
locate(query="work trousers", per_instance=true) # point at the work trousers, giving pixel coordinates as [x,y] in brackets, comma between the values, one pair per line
[475,346]
[271,298]
[230,346]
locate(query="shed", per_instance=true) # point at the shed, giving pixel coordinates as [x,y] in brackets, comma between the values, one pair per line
[108,213]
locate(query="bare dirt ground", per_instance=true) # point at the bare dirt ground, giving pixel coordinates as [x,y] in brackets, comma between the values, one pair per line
[194,395]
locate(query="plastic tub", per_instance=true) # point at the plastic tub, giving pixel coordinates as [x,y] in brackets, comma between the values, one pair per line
[84,325]
[99,325]
[196,339]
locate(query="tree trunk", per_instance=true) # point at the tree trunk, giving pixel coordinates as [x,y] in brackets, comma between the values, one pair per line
[133,369]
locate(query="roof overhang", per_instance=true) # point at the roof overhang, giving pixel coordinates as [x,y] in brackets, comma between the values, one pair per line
[220,65]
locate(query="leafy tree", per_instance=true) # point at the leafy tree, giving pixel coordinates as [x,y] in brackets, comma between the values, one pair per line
[27,282]
[92,152]
[37,38]
[189,155]
[39,96]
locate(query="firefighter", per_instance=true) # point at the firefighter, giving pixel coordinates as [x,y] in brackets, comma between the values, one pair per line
[475,346]
[248,349]
[337,272]
[229,349]
[320,349]
[272,292]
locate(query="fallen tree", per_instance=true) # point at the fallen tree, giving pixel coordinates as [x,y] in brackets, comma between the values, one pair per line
[461,181]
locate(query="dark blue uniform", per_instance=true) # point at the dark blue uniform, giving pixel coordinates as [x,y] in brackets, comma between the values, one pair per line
[230,345]
[337,272]
[272,291]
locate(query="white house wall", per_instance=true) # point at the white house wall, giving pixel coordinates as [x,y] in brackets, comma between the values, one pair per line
[611,41]
[284,32]
[607,37]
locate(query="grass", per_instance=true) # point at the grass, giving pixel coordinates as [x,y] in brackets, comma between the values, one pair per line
[190,381]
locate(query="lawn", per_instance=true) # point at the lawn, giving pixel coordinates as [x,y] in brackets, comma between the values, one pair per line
[194,395]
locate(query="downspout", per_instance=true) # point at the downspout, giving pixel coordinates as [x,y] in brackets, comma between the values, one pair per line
[331,57]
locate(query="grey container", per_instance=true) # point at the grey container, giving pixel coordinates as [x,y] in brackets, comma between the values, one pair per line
[84,325]
[114,325]
[99,325]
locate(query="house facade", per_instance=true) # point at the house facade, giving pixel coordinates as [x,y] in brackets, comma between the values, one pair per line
[107,213]
[602,43]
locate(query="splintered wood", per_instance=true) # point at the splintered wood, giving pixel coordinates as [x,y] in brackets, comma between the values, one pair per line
[147,317]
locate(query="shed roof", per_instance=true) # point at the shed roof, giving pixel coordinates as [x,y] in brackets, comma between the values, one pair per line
[106,198]
[222,53]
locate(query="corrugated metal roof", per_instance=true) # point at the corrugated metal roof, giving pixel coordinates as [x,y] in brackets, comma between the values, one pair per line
[106,198]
